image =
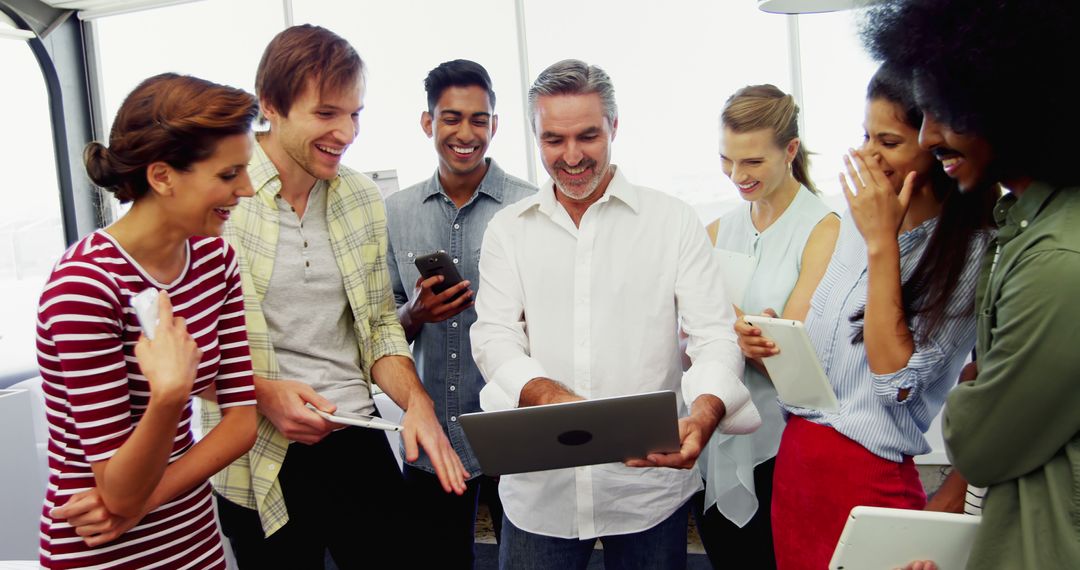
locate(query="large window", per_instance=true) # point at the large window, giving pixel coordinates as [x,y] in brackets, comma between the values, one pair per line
[215,40]
[31,231]
[401,42]
[673,66]
[835,71]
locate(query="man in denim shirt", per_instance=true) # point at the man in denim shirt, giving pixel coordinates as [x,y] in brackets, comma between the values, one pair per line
[448,212]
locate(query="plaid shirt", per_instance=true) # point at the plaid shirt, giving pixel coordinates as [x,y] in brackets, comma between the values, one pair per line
[356,220]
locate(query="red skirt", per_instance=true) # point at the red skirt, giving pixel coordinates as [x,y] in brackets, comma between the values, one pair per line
[820,476]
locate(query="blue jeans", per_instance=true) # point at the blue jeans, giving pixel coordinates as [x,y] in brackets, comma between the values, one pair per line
[661,547]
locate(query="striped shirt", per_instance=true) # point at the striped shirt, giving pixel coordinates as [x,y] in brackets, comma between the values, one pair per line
[869,411]
[973,500]
[95,393]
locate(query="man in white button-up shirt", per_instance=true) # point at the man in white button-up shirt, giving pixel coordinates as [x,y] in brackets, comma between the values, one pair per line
[582,288]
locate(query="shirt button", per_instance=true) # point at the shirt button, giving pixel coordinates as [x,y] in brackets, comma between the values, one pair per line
[1023,223]
[307,264]
[453,388]
[457,226]
[453,418]
[453,355]
[410,254]
[271,467]
[305,243]
[455,260]
[454,324]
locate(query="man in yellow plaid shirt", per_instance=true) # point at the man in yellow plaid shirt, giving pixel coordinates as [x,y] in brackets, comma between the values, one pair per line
[322,326]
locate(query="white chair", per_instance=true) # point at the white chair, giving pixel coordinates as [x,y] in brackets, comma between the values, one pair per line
[22,481]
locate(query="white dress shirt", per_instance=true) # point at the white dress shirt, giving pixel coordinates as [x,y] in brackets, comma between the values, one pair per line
[597,307]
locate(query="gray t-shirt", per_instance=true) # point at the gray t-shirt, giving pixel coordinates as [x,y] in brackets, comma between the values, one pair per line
[307,310]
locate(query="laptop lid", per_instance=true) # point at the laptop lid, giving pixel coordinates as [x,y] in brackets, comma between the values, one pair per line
[589,432]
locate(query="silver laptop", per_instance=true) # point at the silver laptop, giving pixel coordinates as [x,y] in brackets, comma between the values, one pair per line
[589,432]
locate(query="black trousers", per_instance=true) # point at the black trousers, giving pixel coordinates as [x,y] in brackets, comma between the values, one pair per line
[344,495]
[753,541]
[445,523]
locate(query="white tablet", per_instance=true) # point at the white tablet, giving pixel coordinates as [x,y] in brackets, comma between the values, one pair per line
[795,371]
[879,538]
[358,420]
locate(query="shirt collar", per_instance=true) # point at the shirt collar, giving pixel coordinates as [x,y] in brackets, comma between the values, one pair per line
[266,180]
[619,189]
[264,175]
[491,185]
[1014,213]
[1022,209]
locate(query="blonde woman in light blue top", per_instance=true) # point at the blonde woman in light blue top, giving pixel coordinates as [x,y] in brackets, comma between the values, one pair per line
[791,233]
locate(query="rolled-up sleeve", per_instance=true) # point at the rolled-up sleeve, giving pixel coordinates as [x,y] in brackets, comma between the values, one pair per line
[930,363]
[387,336]
[924,365]
[500,343]
[708,319]
[400,295]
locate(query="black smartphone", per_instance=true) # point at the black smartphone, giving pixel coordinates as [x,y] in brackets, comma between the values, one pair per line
[438,263]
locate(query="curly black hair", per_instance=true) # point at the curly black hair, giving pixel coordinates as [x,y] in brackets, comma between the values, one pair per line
[997,69]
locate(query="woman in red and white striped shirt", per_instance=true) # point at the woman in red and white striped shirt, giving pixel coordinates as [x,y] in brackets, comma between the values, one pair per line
[128,483]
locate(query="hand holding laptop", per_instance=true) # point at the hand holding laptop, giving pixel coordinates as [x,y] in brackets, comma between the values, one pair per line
[694,432]
[543,391]
[581,432]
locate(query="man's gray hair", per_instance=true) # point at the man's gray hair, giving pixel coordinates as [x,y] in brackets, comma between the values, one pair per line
[573,77]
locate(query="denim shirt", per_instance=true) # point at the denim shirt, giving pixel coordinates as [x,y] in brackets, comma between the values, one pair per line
[421,219]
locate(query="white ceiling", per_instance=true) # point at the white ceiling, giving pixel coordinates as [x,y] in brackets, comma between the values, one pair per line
[809,6]
[89,9]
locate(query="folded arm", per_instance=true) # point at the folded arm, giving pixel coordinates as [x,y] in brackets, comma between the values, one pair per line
[1021,410]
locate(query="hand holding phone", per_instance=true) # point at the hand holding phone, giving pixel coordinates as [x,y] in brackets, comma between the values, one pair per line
[438,263]
[435,302]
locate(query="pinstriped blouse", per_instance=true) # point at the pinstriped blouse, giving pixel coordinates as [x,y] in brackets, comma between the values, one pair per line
[869,411]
